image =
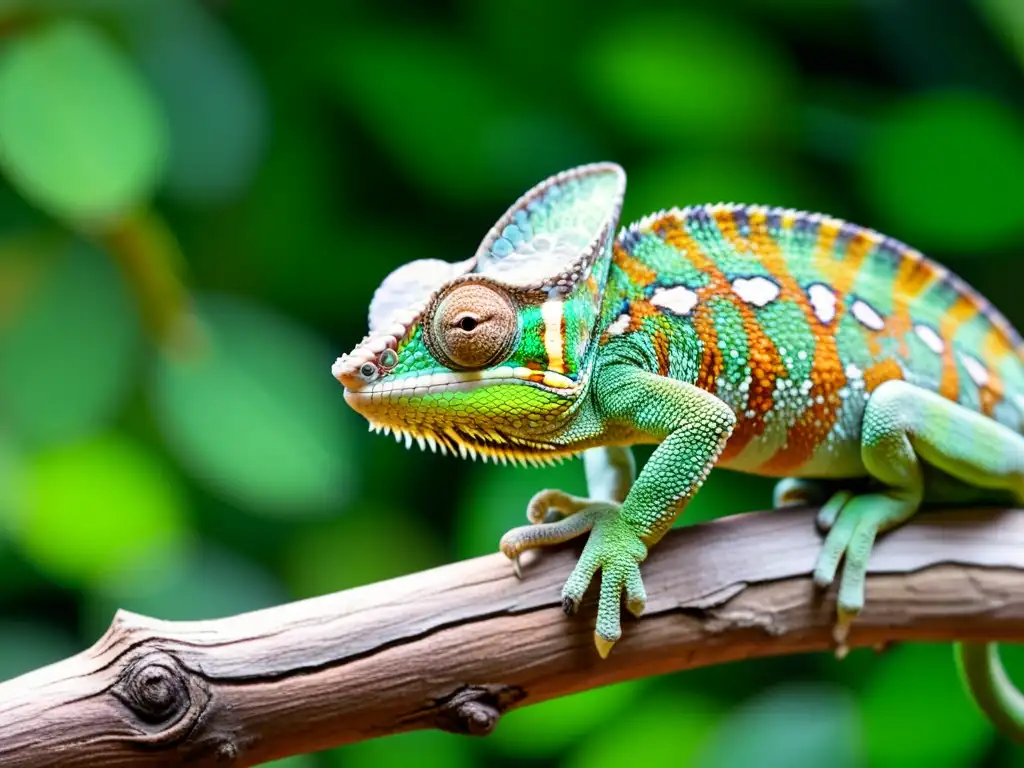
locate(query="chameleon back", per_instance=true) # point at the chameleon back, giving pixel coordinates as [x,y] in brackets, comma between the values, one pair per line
[794,318]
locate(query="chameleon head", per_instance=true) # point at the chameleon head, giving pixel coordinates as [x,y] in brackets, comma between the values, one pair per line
[491,355]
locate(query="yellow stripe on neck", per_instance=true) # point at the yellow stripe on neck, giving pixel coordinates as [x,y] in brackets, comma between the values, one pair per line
[554,344]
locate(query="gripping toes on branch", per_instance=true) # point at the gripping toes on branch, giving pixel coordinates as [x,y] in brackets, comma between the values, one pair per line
[613,547]
[851,524]
[616,550]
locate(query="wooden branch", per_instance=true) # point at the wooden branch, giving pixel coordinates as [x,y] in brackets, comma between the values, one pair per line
[456,646]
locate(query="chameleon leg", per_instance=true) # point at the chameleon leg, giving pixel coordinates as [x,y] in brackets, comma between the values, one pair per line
[903,427]
[694,426]
[611,471]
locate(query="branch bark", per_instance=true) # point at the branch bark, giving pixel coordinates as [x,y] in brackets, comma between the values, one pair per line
[456,646]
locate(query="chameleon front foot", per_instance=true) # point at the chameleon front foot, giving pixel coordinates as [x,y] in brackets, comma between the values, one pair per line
[613,547]
[616,550]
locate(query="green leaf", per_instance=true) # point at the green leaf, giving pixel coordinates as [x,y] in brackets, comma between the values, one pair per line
[68,352]
[92,508]
[661,730]
[257,417]
[675,77]
[916,712]
[548,728]
[215,109]
[790,725]
[944,170]
[80,134]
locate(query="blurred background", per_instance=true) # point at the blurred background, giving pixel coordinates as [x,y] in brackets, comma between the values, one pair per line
[197,200]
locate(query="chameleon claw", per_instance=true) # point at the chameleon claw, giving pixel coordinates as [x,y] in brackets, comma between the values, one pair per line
[569,606]
[604,647]
[841,632]
[516,567]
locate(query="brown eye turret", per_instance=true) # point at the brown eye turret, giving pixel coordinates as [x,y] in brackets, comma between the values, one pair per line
[472,326]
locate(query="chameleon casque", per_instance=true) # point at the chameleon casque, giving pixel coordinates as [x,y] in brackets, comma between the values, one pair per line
[865,376]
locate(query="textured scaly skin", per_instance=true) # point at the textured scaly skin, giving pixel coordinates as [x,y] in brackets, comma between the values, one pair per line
[765,340]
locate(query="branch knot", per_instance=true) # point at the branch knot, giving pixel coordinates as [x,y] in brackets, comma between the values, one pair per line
[474,710]
[157,690]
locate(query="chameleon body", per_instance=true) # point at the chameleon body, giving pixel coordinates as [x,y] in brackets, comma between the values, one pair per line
[865,376]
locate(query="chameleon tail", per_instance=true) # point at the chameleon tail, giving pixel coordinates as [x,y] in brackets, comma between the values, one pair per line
[986,680]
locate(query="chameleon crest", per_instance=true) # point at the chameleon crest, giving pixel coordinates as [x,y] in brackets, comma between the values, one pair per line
[489,355]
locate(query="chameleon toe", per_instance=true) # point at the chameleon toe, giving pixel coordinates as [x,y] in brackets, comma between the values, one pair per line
[603,645]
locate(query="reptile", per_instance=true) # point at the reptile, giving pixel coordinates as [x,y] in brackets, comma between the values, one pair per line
[866,377]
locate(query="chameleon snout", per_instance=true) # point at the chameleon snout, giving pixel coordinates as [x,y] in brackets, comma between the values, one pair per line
[366,364]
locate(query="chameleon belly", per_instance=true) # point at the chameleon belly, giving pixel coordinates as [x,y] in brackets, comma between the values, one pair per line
[796,318]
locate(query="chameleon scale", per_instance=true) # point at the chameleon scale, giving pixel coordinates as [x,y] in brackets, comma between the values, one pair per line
[766,340]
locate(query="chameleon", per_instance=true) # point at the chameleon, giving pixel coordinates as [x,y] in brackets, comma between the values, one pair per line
[864,376]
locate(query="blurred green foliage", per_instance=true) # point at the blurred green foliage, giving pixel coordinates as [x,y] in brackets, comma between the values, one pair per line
[197,200]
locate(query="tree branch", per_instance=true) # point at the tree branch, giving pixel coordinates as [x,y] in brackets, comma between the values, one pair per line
[455,646]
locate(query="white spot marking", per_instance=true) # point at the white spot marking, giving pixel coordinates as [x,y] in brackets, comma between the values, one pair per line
[930,338]
[620,325]
[755,290]
[823,301]
[867,315]
[679,299]
[975,369]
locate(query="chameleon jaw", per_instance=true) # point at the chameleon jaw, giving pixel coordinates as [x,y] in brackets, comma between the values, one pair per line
[451,442]
[378,403]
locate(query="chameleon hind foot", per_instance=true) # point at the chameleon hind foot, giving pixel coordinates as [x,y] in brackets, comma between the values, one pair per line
[903,423]
[852,523]
[613,547]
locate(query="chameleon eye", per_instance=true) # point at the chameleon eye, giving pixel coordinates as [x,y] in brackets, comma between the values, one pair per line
[368,371]
[388,359]
[472,326]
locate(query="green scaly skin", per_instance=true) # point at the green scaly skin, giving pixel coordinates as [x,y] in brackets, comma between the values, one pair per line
[866,377]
